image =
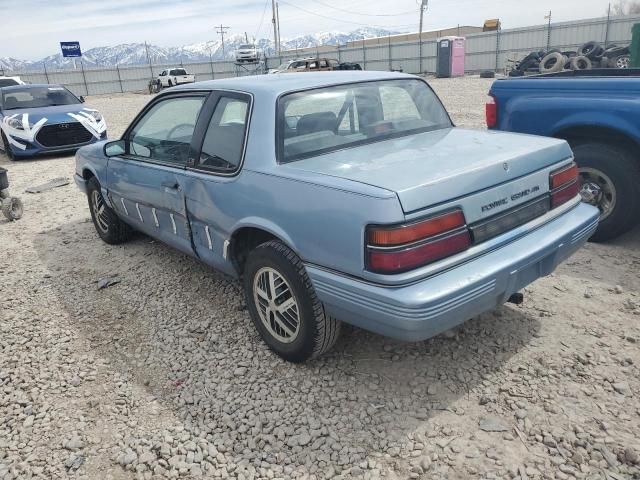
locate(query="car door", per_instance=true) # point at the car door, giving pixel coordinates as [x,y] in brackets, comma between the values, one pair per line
[213,193]
[146,184]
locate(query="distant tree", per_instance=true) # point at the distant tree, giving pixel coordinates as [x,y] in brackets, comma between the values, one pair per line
[625,7]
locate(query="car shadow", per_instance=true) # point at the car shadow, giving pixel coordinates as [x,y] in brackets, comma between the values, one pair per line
[615,262]
[182,331]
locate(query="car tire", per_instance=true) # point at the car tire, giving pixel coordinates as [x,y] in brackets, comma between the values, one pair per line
[12,208]
[110,228]
[273,263]
[610,180]
[621,61]
[590,50]
[7,148]
[580,63]
[531,63]
[552,62]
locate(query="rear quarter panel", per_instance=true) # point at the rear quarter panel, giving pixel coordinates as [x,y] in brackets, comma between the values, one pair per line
[324,225]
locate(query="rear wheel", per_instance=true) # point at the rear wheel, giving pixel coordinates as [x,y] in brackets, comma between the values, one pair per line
[610,180]
[283,305]
[109,227]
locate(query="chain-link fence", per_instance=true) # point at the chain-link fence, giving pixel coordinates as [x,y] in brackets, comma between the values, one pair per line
[484,51]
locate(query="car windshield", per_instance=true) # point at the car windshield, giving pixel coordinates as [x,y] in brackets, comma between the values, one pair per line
[37,97]
[246,47]
[315,122]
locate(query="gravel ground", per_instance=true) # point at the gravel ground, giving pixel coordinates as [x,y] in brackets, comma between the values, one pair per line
[163,376]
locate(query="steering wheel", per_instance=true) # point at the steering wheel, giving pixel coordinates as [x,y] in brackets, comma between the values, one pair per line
[179,126]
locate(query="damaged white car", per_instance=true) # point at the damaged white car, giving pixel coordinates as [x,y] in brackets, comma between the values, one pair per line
[37,119]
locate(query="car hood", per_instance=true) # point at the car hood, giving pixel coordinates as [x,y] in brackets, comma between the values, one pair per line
[434,167]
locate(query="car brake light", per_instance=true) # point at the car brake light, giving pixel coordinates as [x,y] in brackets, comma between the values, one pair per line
[405,247]
[491,110]
[564,185]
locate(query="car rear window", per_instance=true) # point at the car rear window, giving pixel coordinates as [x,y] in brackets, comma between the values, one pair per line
[319,121]
[7,82]
[179,71]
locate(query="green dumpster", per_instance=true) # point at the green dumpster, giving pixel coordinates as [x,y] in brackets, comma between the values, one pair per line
[635,46]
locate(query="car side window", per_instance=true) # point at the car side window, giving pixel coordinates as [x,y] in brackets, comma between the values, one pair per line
[224,141]
[164,133]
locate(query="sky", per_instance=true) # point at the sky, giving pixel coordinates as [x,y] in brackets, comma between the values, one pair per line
[32,29]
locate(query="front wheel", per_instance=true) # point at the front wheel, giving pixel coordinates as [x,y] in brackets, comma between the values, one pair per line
[283,305]
[109,227]
[610,180]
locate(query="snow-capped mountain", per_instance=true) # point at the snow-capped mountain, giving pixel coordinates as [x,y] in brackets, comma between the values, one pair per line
[136,53]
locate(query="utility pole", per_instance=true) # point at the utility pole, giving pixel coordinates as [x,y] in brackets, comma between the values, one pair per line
[276,48]
[146,48]
[221,31]
[278,24]
[606,33]
[423,6]
[548,31]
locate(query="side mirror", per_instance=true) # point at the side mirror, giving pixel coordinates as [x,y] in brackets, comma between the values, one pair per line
[115,148]
[82,98]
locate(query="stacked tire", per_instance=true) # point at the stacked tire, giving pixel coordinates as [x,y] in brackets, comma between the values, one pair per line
[588,56]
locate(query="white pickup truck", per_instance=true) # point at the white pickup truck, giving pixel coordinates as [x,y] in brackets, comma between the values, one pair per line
[175,76]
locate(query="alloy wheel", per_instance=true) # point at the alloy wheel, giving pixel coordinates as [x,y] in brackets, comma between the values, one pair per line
[99,211]
[598,190]
[276,304]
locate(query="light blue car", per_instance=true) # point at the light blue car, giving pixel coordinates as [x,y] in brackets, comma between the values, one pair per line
[38,119]
[340,196]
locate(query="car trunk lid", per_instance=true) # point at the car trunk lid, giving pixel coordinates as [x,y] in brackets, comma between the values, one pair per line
[437,167]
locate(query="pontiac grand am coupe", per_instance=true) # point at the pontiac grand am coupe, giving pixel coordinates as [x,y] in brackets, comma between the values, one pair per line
[340,196]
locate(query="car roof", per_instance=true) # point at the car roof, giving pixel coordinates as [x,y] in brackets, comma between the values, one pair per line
[277,84]
[29,86]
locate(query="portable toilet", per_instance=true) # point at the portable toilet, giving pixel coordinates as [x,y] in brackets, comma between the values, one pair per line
[451,51]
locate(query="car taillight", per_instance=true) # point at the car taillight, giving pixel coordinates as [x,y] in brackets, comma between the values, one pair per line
[564,185]
[491,110]
[401,248]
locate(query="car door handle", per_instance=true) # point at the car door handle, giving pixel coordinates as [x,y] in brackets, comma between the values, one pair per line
[173,185]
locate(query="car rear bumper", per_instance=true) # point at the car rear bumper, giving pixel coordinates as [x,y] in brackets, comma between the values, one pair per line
[422,310]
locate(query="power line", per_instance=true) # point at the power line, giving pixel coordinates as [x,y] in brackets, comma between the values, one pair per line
[345,21]
[264,11]
[364,14]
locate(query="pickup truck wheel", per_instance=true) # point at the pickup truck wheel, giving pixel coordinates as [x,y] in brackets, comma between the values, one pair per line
[610,180]
[109,227]
[283,304]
